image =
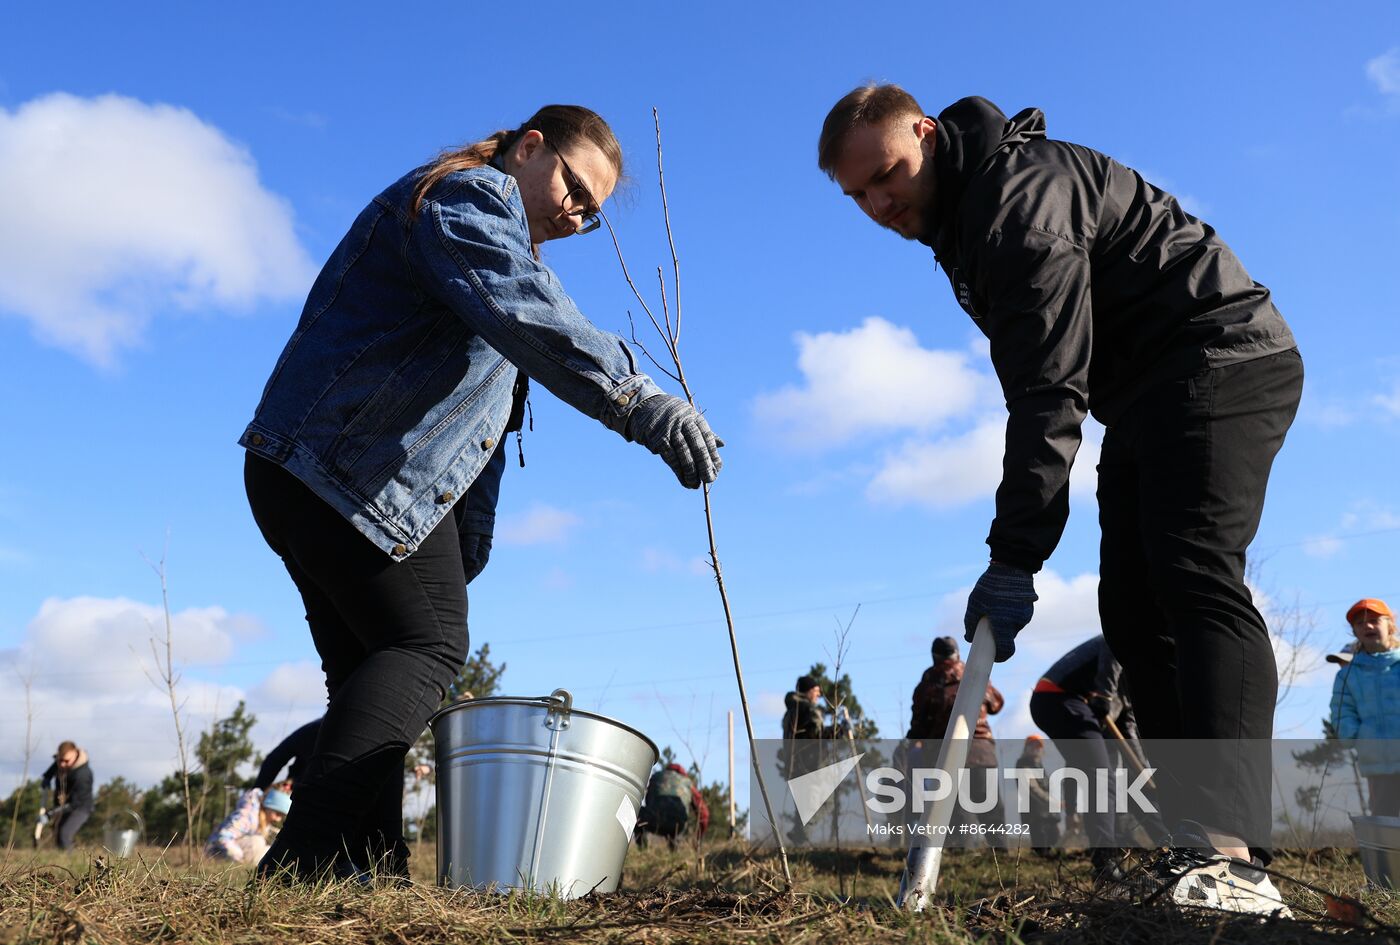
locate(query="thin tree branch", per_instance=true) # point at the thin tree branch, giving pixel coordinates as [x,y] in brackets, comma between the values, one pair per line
[643,348]
[670,335]
[666,215]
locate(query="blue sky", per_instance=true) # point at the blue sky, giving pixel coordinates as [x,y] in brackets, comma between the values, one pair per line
[171,178]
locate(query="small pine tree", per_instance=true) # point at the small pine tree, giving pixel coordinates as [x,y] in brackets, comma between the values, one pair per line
[220,752]
[22,809]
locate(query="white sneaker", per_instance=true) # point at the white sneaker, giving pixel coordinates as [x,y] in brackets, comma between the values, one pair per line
[1216,881]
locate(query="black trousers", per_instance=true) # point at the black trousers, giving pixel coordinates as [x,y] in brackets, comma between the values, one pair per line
[1071,724]
[1182,480]
[391,636]
[69,823]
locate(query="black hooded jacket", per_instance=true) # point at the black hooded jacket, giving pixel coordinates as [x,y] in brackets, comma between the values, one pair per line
[1091,285]
[73,785]
[803,717]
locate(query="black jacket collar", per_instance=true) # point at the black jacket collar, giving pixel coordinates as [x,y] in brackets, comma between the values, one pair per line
[969,132]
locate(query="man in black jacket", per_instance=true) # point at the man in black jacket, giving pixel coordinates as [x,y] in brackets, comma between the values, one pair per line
[1100,294]
[70,778]
[802,717]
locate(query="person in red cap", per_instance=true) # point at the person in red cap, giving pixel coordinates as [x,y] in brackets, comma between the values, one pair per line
[1044,826]
[1365,697]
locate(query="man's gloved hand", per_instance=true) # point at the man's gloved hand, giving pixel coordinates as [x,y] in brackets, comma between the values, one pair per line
[1006,596]
[1100,704]
[675,431]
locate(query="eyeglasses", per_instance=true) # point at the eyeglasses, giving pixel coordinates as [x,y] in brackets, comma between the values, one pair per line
[578,197]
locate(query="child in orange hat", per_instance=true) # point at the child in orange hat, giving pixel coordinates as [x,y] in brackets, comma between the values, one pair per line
[1365,696]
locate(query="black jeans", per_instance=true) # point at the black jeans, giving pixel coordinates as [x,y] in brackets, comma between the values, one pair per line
[391,636]
[1181,488]
[1071,724]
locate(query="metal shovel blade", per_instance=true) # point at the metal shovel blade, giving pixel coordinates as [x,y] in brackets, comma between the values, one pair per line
[926,846]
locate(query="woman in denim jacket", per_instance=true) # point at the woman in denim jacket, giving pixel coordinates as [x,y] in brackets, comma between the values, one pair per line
[374,458]
[1366,702]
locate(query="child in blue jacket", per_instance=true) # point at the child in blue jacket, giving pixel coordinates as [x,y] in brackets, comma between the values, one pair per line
[1366,702]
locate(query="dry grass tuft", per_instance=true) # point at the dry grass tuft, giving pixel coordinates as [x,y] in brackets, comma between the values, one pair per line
[727,895]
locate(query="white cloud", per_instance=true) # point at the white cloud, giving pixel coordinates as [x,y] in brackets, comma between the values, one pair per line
[1322,546]
[874,377]
[1363,517]
[769,705]
[557,579]
[1192,204]
[541,524]
[876,381]
[1384,71]
[1390,402]
[113,210]
[106,642]
[1329,416]
[290,685]
[90,665]
[943,473]
[956,470]
[1292,630]
[1369,516]
[658,560]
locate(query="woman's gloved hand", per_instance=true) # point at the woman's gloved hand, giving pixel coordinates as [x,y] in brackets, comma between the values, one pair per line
[675,431]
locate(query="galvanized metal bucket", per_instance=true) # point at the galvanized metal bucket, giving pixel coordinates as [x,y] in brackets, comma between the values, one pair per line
[535,794]
[119,836]
[1379,841]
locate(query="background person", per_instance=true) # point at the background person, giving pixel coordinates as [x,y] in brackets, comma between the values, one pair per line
[385,415]
[1071,703]
[672,805]
[1044,826]
[1366,702]
[70,780]
[932,707]
[242,837]
[802,715]
[1097,291]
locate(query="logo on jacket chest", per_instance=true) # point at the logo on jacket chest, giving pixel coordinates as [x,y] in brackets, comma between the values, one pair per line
[963,292]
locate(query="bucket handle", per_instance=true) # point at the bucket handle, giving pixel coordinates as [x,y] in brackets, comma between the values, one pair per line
[557,719]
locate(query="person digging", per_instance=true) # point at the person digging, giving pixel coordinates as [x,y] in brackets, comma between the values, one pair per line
[1099,293]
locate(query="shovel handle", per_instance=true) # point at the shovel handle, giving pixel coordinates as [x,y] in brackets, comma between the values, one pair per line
[926,846]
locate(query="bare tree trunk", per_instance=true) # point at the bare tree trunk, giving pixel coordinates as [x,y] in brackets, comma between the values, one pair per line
[168,678]
[670,337]
[26,680]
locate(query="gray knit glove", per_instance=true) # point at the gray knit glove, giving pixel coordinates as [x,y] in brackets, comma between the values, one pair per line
[675,431]
[1006,596]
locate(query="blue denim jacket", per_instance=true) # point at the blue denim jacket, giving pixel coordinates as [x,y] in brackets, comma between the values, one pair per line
[394,390]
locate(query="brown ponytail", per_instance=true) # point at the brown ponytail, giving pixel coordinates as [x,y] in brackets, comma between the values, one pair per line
[562,125]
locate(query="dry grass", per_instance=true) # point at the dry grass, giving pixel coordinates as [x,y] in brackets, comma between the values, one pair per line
[724,896]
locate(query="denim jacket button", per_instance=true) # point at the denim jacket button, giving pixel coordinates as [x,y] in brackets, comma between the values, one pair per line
[621,399]
[446,497]
[487,443]
[400,550]
[256,439]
